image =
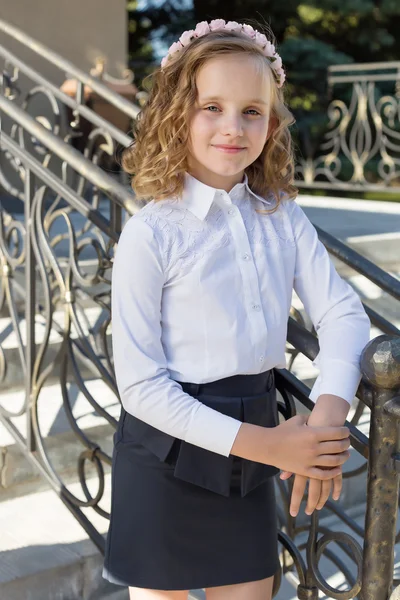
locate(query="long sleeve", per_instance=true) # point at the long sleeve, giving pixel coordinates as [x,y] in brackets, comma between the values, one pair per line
[342,326]
[145,386]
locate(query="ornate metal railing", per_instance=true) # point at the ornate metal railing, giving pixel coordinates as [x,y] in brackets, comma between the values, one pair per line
[71,118]
[361,149]
[45,268]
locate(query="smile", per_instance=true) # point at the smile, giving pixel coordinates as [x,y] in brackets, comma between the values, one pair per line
[229,149]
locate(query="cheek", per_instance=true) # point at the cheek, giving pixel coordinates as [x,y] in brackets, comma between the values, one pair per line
[259,131]
[200,127]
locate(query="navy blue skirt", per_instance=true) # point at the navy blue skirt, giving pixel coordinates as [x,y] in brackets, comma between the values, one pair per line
[186,518]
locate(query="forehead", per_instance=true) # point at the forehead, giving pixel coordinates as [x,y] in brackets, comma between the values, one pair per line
[239,76]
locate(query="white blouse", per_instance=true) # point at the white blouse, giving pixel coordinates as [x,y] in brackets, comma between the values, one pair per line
[201,290]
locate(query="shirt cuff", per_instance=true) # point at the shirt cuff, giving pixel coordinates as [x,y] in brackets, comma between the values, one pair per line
[213,431]
[337,378]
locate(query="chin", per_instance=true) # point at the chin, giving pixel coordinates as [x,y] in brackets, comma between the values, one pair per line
[225,168]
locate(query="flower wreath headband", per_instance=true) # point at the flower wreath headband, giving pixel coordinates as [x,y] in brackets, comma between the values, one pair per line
[260,39]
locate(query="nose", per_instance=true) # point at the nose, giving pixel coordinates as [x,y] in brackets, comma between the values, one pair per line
[232,125]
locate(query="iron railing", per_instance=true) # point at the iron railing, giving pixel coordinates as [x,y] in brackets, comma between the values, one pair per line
[58,111]
[45,269]
[361,149]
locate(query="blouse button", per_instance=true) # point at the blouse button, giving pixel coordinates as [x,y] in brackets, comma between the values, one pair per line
[245,257]
[262,358]
[231,212]
[256,307]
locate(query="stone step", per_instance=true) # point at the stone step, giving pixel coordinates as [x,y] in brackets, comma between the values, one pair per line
[61,444]
[46,555]
[89,322]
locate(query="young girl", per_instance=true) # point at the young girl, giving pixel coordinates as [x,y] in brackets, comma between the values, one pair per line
[201,293]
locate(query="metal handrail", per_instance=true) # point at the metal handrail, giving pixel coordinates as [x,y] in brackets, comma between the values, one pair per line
[73,157]
[70,69]
[359,263]
[77,202]
[334,72]
[77,107]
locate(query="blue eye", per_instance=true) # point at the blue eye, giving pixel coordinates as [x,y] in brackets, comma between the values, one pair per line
[252,110]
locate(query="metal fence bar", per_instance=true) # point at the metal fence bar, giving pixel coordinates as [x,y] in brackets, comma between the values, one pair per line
[381,366]
[75,105]
[30,307]
[72,157]
[359,263]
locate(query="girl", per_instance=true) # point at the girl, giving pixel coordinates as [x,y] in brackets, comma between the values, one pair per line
[201,292]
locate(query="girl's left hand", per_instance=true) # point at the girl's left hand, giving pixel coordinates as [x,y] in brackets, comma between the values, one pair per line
[318,492]
[328,410]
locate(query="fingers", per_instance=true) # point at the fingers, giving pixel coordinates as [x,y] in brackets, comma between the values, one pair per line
[326,487]
[332,460]
[337,486]
[299,487]
[314,493]
[331,433]
[285,475]
[334,447]
[323,474]
[318,492]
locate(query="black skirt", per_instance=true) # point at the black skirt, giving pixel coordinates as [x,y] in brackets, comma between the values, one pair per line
[186,518]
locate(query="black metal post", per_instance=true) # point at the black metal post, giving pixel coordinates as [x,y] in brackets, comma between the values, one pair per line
[380,364]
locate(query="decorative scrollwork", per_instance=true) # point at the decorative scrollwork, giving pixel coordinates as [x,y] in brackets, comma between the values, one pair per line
[362,144]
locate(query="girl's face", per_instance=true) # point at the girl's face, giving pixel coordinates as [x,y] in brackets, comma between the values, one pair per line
[230,120]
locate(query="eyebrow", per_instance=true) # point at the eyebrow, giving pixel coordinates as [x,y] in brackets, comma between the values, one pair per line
[217,98]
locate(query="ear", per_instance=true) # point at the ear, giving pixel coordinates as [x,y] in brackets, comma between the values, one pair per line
[273,124]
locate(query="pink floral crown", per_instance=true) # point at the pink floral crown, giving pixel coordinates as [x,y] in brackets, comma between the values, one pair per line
[204,28]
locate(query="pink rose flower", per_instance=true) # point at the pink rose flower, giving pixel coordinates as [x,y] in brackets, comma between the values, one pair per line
[280,75]
[217,24]
[164,61]
[175,47]
[277,64]
[248,30]
[282,79]
[269,50]
[186,37]
[233,26]
[260,39]
[202,28]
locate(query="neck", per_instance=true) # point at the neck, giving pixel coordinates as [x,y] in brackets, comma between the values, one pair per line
[215,180]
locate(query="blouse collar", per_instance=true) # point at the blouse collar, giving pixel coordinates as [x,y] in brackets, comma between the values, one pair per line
[198,197]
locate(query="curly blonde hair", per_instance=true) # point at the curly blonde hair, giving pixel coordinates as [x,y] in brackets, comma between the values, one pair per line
[157,158]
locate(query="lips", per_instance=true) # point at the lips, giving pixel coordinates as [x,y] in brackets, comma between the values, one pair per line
[228,147]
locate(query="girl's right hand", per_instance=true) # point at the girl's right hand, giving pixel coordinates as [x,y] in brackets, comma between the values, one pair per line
[316,452]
